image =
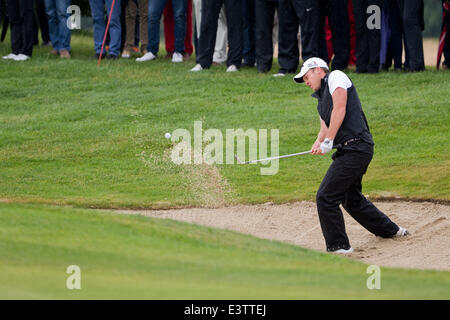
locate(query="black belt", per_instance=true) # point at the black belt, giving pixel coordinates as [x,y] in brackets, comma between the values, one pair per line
[349,141]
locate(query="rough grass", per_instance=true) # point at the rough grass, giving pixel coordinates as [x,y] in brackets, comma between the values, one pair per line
[74,133]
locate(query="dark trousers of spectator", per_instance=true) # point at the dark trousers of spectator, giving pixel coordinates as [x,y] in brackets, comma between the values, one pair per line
[368,41]
[21,17]
[292,14]
[342,185]
[248,24]
[208,31]
[337,13]
[395,43]
[42,19]
[411,12]
[447,42]
[264,21]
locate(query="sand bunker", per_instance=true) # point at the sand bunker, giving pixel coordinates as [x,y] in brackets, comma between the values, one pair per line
[297,223]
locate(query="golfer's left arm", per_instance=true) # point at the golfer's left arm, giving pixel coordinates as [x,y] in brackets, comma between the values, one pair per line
[338,112]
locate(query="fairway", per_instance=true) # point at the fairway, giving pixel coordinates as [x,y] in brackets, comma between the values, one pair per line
[76,137]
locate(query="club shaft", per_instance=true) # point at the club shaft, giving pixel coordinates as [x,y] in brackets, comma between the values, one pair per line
[278,157]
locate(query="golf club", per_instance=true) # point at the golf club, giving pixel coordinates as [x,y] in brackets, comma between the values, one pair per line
[273,158]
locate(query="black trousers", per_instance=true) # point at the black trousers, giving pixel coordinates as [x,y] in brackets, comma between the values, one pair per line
[395,44]
[337,13]
[447,42]
[411,12]
[292,14]
[342,185]
[208,31]
[368,41]
[43,23]
[21,17]
[264,18]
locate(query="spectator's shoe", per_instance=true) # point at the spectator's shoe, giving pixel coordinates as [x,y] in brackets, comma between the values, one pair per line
[21,57]
[186,56]
[10,56]
[54,52]
[232,68]
[65,54]
[198,67]
[177,57]
[126,54]
[279,74]
[169,55]
[402,232]
[112,57]
[146,57]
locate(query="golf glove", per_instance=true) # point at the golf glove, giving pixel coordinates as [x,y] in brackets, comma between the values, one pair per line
[326,145]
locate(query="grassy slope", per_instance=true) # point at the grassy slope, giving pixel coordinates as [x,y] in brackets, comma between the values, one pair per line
[72,133]
[132,257]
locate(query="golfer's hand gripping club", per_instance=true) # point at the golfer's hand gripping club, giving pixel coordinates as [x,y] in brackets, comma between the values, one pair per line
[326,146]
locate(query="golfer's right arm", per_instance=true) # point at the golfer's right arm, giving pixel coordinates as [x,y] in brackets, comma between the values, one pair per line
[315,149]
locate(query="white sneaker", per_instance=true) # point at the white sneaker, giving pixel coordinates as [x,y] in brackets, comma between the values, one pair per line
[279,74]
[402,232]
[146,57]
[10,56]
[21,57]
[177,57]
[343,251]
[232,68]
[197,68]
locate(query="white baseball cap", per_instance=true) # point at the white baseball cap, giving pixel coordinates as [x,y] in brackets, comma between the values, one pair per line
[309,64]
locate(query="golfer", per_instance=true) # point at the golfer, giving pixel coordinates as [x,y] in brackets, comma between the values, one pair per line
[343,126]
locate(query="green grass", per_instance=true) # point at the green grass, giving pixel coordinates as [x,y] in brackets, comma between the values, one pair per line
[134,257]
[73,133]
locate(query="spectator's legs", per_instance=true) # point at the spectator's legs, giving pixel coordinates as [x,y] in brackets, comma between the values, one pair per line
[395,24]
[179,14]
[288,53]
[98,17]
[143,24]
[362,37]
[264,18]
[26,14]
[64,33]
[233,9]
[115,29]
[340,30]
[43,20]
[309,17]
[208,30]
[130,20]
[413,33]
[155,9]
[249,32]
[53,27]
